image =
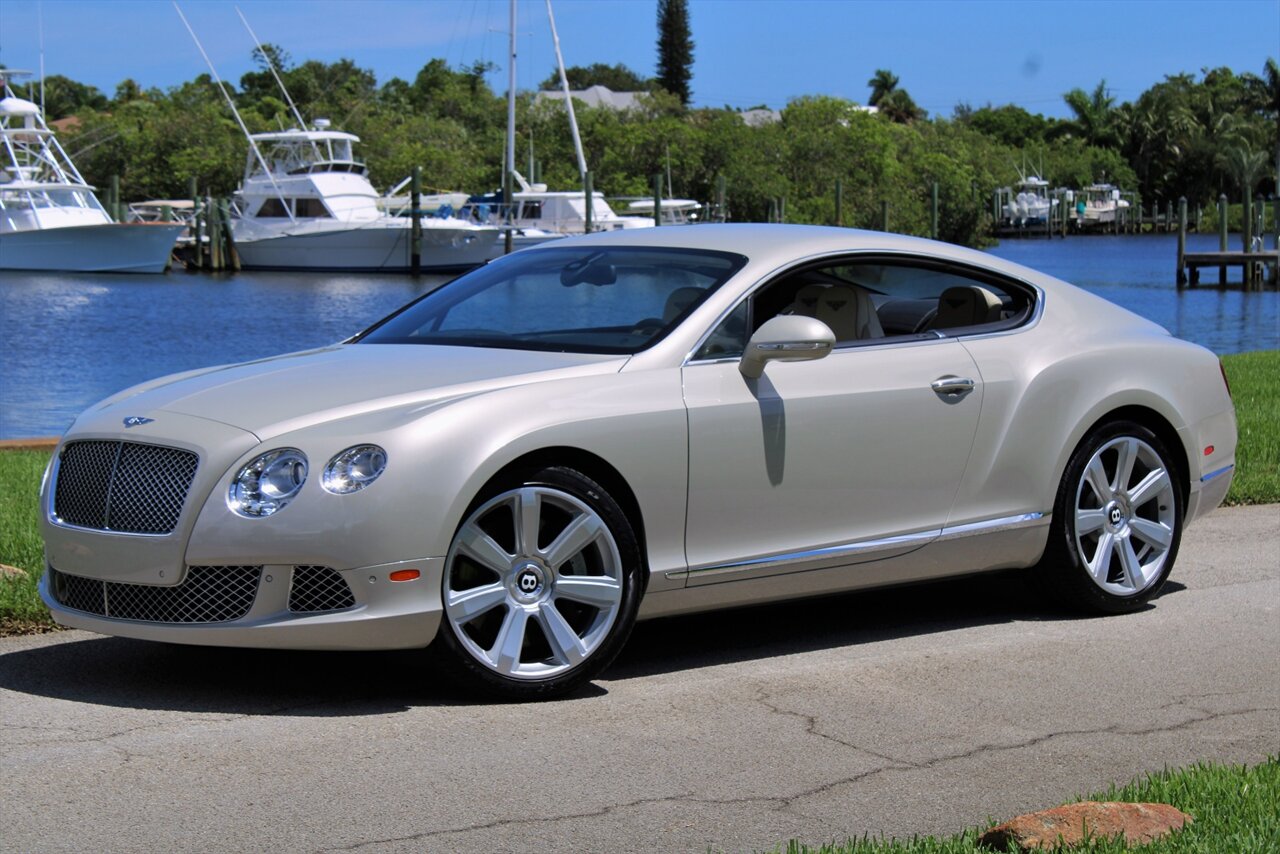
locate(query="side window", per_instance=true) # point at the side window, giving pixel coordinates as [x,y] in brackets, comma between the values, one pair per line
[867,301]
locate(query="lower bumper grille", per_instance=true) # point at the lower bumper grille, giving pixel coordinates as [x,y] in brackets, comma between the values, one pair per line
[319,588]
[209,594]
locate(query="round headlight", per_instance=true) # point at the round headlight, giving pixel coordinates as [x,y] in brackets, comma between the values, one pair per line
[354,469]
[268,483]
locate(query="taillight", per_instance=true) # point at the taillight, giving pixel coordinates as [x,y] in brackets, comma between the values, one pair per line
[1226,382]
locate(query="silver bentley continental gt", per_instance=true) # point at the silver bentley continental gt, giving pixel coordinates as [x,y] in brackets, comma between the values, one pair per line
[516,467]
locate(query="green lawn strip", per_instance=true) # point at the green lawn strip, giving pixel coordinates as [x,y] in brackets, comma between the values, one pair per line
[1255,386]
[1236,810]
[20,543]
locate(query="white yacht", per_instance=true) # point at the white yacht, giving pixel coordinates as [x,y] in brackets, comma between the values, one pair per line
[306,204]
[50,218]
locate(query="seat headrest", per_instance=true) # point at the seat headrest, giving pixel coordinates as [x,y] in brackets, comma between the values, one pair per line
[966,305]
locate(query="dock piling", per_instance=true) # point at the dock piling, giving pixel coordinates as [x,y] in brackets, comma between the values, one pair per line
[1223,211]
[1182,246]
[933,213]
[884,215]
[589,190]
[657,198]
[415,204]
[839,203]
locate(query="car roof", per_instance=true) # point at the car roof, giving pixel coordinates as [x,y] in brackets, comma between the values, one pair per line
[771,244]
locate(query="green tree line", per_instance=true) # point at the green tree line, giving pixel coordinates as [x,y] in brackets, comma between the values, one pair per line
[1196,136]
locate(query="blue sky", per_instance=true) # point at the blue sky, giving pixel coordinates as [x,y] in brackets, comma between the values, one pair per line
[747,52]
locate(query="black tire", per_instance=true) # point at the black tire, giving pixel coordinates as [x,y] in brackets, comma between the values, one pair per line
[1086,572]
[471,645]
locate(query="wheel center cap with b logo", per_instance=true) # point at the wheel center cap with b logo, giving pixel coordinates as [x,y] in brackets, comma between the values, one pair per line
[528,582]
[1115,516]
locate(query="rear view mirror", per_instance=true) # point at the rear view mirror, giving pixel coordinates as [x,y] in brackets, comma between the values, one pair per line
[786,338]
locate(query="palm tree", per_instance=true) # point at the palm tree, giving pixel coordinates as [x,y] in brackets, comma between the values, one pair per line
[1095,115]
[882,83]
[898,106]
[1243,166]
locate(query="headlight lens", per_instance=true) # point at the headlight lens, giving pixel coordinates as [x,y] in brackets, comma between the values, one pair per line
[268,483]
[354,469]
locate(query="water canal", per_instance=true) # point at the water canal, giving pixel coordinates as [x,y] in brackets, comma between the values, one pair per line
[68,340]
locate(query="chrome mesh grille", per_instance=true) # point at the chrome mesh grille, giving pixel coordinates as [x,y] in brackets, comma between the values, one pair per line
[319,588]
[209,594]
[122,486]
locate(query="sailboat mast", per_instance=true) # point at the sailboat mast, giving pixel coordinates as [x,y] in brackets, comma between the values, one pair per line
[568,101]
[510,160]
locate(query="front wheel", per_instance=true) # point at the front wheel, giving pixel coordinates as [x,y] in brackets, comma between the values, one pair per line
[541,586]
[1117,521]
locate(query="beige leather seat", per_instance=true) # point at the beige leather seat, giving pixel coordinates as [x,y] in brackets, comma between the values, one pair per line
[847,309]
[966,305]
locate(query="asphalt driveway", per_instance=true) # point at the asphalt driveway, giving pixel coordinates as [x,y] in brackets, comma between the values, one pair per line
[920,710]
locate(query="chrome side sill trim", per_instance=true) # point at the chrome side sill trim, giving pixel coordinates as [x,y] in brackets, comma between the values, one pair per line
[994,526]
[1211,475]
[780,561]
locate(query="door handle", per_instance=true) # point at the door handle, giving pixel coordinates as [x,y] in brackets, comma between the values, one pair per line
[952,386]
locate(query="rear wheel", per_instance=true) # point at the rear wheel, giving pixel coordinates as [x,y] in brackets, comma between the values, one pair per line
[541,586]
[1117,520]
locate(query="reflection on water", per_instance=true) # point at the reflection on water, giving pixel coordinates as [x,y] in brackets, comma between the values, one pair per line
[68,340]
[1138,273]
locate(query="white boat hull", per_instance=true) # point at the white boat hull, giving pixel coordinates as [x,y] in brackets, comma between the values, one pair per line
[105,248]
[368,249]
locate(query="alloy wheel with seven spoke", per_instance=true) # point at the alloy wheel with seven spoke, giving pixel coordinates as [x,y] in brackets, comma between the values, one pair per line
[1125,515]
[533,583]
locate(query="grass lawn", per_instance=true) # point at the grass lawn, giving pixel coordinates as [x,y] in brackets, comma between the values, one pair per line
[1236,811]
[20,543]
[1255,385]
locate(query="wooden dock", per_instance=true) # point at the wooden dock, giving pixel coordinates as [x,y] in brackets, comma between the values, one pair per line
[1191,262]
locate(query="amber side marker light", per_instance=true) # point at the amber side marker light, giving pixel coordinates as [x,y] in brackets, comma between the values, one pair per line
[404,575]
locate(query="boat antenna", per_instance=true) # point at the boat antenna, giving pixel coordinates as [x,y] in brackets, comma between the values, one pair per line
[568,101]
[230,103]
[271,65]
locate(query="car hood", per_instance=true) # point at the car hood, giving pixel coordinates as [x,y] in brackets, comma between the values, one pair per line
[287,392]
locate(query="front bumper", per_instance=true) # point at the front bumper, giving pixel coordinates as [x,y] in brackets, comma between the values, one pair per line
[386,614]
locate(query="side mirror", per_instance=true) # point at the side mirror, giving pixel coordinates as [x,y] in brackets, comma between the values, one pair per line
[786,338]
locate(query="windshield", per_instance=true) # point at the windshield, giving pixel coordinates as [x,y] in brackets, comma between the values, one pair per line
[587,299]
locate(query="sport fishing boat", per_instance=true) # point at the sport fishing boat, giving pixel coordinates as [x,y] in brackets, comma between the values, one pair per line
[1102,203]
[306,203]
[50,218]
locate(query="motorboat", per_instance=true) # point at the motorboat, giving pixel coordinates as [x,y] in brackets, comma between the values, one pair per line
[1102,203]
[1029,202]
[50,218]
[537,215]
[306,203]
[672,211]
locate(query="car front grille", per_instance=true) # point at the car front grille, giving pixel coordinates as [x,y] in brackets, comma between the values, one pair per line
[208,594]
[319,588]
[127,487]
